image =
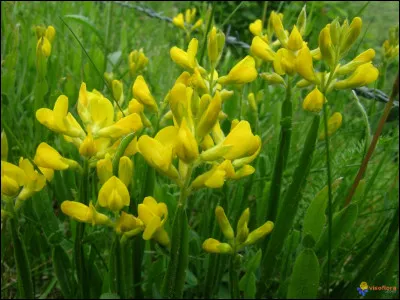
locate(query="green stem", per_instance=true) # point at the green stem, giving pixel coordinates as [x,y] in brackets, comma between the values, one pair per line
[120,276]
[290,202]
[328,166]
[281,155]
[233,277]
[79,253]
[209,22]
[174,279]
[366,122]
[363,167]
[25,285]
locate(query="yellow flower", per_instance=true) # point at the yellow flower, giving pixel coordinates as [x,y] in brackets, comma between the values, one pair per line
[186,59]
[216,41]
[261,49]
[137,61]
[186,147]
[104,169]
[113,194]
[43,47]
[258,233]
[50,33]
[157,155]
[314,101]
[118,91]
[325,46]
[94,109]
[127,222]
[334,124]
[273,78]
[209,117]
[215,246]
[47,157]
[284,62]
[142,93]
[351,34]
[295,41]
[12,178]
[242,141]
[179,21]
[243,72]
[154,215]
[180,98]
[59,119]
[189,15]
[364,285]
[304,65]
[84,213]
[363,58]
[363,75]
[256,27]
[35,182]
[125,170]
[278,28]
[88,146]
[196,25]
[128,124]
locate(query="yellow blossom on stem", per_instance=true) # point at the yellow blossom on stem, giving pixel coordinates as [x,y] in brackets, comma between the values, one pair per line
[334,123]
[243,72]
[314,101]
[12,178]
[47,157]
[84,213]
[114,194]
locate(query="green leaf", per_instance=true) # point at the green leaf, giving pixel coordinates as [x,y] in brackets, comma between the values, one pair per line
[247,284]
[314,219]
[342,223]
[304,281]
[63,272]
[109,296]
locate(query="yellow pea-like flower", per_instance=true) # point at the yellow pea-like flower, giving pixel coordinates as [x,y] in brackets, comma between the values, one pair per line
[314,101]
[363,75]
[50,33]
[59,119]
[223,223]
[209,117]
[114,194]
[190,15]
[278,28]
[12,178]
[94,109]
[35,182]
[362,58]
[125,170]
[47,157]
[304,65]
[244,171]
[198,24]
[215,246]
[243,72]
[295,41]
[242,228]
[4,146]
[137,61]
[207,143]
[118,91]
[157,155]
[284,62]
[242,140]
[127,222]
[43,47]
[256,27]
[214,178]
[84,213]
[252,102]
[186,146]
[142,93]
[226,94]
[180,98]
[259,233]
[104,169]
[154,215]
[186,59]
[128,124]
[261,49]
[88,146]
[179,21]
[334,123]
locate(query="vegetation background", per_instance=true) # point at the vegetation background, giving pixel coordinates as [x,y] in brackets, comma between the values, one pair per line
[109,32]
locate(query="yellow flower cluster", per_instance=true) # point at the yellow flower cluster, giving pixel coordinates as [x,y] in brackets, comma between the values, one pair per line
[114,196]
[242,238]
[22,181]
[137,62]
[186,22]
[45,37]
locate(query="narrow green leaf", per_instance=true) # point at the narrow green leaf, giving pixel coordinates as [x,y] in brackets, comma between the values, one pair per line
[247,284]
[63,272]
[87,23]
[304,281]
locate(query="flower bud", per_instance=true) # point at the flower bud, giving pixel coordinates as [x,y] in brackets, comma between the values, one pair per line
[216,42]
[223,223]
[179,21]
[50,33]
[142,93]
[186,146]
[117,90]
[314,101]
[261,49]
[252,102]
[259,233]
[302,20]
[88,146]
[215,246]
[273,78]
[363,75]
[351,35]
[278,28]
[125,170]
[295,41]
[256,27]
[210,116]
[334,123]
[325,45]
